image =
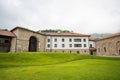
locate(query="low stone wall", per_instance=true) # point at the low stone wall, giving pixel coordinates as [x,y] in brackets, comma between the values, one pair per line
[79,51]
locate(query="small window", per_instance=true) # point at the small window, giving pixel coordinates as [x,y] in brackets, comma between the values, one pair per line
[55,45]
[104,49]
[48,45]
[90,45]
[48,40]
[6,41]
[85,45]
[63,40]
[55,40]
[98,49]
[70,45]
[70,40]
[84,40]
[63,45]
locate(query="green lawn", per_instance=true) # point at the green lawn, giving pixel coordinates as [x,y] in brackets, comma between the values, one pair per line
[57,66]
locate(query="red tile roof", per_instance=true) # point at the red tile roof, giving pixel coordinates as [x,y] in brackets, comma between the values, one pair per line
[92,39]
[25,29]
[110,36]
[6,33]
[21,28]
[67,34]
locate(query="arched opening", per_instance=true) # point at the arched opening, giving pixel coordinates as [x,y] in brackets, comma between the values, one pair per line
[104,49]
[118,47]
[32,44]
[91,52]
[78,52]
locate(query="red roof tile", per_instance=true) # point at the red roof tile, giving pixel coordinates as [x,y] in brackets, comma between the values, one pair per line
[92,39]
[25,29]
[6,33]
[110,36]
[67,34]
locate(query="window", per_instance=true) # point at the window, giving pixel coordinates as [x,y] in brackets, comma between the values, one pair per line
[98,49]
[70,45]
[85,45]
[55,40]
[55,45]
[63,45]
[77,40]
[84,40]
[6,41]
[63,40]
[70,40]
[48,45]
[105,49]
[90,45]
[77,45]
[48,40]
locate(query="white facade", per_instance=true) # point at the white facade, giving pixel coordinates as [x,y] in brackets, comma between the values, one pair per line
[92,44]
[59,42]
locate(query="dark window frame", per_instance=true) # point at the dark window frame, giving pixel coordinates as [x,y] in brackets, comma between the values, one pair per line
[70,40]
[48,40]
[63,45]
[77,40]
[70,45]
[77,45]
[63,40]
[55,45]
[85,45]
[84,40]
[48,45]
[55,40]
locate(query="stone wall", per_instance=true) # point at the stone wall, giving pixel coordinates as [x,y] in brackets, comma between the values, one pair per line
[21,42]
[109,47]
[79,51]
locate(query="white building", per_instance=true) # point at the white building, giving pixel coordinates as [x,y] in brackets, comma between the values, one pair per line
[67,42]
[91,42]
[92,45]
[27,40]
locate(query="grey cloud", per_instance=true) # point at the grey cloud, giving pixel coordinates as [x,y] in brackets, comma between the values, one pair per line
[84,16]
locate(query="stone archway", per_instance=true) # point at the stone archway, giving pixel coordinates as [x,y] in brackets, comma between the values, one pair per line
[32,44]
[118,47]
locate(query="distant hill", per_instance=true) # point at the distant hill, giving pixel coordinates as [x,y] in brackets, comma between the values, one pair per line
[55,31]
[98,35]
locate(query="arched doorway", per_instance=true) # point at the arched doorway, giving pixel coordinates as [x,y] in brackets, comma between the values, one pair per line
[32,44]
[118,47]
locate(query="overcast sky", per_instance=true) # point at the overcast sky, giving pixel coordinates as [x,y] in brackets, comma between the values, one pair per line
[83,16]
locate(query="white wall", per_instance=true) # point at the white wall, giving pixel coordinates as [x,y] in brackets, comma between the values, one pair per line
[93,43]
[66,42]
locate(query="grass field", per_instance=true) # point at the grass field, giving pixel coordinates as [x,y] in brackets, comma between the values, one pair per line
[57,66]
